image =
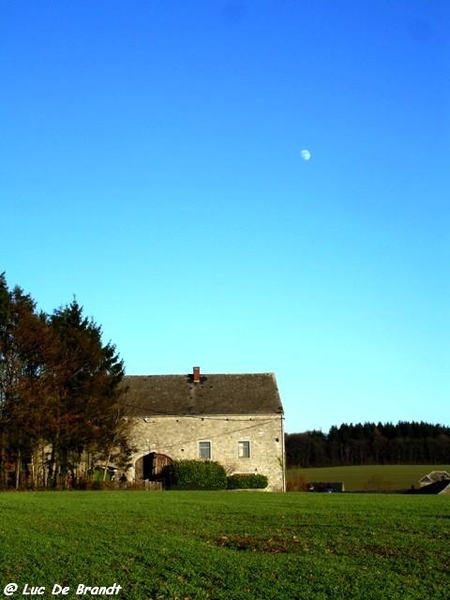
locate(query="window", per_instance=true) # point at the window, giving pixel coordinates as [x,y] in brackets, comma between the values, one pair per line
[204,449]
[244,449]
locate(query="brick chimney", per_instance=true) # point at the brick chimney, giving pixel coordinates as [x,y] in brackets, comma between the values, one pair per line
[196,374]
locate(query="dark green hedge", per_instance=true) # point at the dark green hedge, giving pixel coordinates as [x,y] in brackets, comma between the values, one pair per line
[195,475]
[246,482]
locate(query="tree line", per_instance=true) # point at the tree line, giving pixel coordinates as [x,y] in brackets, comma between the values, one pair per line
[60,411]
[370,444]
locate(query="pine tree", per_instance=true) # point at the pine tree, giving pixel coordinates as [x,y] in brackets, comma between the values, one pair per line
[86,415]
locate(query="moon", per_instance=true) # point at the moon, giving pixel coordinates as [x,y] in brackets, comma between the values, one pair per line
[305,154]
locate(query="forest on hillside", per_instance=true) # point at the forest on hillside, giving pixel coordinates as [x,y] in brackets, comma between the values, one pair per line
[370,444]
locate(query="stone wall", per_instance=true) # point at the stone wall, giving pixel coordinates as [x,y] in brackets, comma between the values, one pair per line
[179,438]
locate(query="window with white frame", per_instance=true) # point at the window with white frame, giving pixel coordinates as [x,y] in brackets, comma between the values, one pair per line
[204,449]
[244,449]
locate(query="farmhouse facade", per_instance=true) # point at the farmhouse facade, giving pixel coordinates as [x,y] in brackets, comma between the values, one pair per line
[236,420]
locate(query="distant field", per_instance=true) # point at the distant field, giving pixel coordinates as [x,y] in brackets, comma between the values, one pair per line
[368,478]
[225,545]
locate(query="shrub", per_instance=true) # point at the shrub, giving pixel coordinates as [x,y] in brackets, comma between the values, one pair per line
[195,475]
[246,481]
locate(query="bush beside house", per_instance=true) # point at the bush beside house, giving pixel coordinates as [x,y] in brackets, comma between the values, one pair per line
[243,481]
[194,475]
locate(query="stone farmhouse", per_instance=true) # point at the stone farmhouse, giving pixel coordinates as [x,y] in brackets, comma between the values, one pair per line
[236,420]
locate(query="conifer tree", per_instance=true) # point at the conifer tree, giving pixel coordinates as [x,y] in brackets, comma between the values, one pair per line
[85,408]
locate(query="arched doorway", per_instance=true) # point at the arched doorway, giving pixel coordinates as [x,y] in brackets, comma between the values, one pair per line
[151,465]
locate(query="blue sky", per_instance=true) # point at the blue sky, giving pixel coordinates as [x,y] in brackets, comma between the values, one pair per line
[151,166]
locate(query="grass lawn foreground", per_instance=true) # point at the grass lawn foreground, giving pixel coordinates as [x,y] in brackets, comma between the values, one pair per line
[226,545]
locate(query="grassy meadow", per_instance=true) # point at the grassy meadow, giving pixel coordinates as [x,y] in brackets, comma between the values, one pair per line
[372,478]
[226,545]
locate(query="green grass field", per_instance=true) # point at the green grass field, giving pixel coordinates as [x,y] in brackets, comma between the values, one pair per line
[378,478]
[226,545]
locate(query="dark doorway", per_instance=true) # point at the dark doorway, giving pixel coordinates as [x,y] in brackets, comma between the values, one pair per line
[150,466]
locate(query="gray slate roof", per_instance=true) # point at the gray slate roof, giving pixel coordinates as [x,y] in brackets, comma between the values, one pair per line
[153,395]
